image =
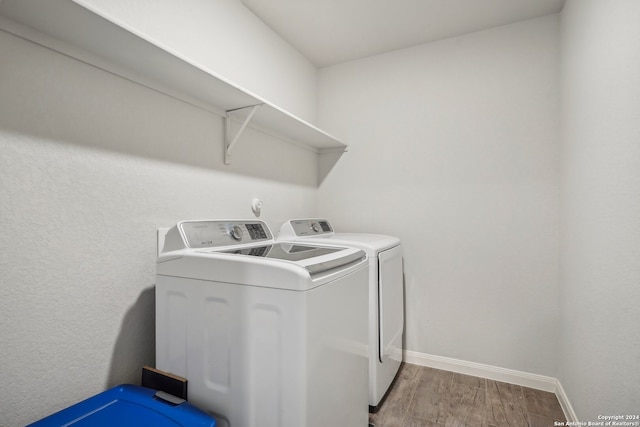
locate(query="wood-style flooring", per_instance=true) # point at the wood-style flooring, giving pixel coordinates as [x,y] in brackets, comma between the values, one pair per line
[427,397]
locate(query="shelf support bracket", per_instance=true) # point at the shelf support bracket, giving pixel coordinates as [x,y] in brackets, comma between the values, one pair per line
[229,141]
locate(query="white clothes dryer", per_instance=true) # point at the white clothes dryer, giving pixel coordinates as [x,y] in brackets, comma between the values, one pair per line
[269,334]
[386,295]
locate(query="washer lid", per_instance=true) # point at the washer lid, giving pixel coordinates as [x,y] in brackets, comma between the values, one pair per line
[250,265]
[243,252]
[315,259]
[285,251]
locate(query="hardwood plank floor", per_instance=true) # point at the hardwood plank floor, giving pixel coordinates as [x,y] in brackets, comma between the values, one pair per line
[427,397]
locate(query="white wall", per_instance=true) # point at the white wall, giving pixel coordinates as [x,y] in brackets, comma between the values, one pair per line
[454,148]
[600,298]
[90,166]
[226,37]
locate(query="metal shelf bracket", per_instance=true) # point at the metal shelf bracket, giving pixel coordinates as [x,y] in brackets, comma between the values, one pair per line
[230,141]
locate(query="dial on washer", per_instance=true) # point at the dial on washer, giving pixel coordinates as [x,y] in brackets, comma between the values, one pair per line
[236,233]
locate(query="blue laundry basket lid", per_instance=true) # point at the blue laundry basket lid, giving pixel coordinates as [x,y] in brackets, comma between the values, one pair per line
[128,406]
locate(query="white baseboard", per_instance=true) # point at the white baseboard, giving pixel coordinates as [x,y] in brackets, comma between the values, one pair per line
[526,379]
[565,404]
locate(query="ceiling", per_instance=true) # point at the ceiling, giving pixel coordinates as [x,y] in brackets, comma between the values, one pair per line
[328,32]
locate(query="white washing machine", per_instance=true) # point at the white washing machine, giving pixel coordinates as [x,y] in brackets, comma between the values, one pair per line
[269,334]
[386,295]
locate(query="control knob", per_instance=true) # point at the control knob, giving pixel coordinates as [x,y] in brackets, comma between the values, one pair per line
[236,233]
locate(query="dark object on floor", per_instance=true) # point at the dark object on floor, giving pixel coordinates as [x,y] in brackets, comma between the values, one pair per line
[164,381]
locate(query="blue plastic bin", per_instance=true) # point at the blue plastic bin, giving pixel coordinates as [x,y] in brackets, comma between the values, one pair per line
[129,406]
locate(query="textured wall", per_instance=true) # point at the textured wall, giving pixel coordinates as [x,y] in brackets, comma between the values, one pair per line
[90,166]
[454,148]
[599,333]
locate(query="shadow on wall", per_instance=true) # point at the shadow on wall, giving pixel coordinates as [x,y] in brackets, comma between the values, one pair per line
[135,345]
[326,162]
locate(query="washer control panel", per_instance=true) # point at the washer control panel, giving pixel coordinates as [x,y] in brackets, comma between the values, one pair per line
[310,227]
[208,234]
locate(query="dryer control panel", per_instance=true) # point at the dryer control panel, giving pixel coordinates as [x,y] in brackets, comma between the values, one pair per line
[306,227]
[208,234]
